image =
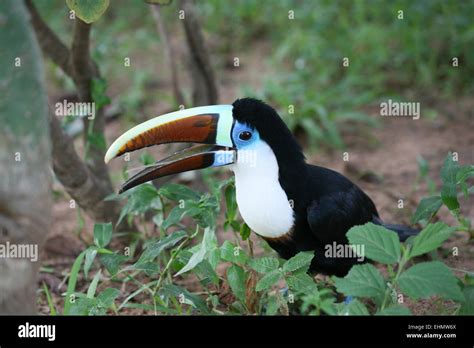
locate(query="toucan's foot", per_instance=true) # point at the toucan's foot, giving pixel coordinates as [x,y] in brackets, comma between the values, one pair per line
[284,292]
[348,300]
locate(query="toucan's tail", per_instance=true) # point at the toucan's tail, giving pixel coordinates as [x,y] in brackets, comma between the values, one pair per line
[404,232]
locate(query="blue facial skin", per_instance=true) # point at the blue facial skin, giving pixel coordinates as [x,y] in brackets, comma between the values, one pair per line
[241,142]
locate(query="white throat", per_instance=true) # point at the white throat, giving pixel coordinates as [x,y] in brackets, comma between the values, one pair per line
[263,204]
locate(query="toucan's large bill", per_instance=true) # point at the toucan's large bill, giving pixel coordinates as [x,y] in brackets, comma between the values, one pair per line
[210,125]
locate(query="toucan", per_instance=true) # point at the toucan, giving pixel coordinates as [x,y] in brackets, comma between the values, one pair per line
[293,205]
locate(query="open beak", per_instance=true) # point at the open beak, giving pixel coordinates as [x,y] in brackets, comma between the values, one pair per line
[211,125]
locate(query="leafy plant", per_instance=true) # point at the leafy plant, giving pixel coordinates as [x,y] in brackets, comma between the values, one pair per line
[421,280]
[88,11]
[455,183]
[173,251]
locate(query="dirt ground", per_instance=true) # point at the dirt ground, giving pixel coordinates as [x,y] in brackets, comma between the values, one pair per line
[382,161]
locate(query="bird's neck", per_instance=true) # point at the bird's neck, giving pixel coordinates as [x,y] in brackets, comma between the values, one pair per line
[263,203]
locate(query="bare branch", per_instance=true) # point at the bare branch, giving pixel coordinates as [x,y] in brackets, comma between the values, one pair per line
[80,59]
[76,178]
[50,44]
[84,71]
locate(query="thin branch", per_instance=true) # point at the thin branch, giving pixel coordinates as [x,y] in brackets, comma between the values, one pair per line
[76,178]
[49,42]
[84,71]
[80,59]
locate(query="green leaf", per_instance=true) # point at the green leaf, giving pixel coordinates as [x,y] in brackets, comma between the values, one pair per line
[464,173]
[467,307]
[93,285]
[380,244]
[235,226]
[88,10]
[355,307]
[97,140]
[203,270]
[214,257]
[206,273]
[232,253]
[176,192]
[91,253]
[430,278]
[84,306]
[268,280]
[141,199]
[301,282]
[430,238]
[448,177]
[231,203]
[107,297]
[99,87]
[362,281]
[102,234]
[88,306]
[112,262]
[195,259]
[237,278]
[154,249]
[427,208]
[461,178]
[180,293]
[244,231]
[264,264]
[208,243]
[71,286]
[210,239]
[52,309]
[394,310]
[174,217]
[150,268]
[449,197]
[189,208]
[272,305]
[299,261]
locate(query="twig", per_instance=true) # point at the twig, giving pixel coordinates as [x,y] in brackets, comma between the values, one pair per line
[49,42]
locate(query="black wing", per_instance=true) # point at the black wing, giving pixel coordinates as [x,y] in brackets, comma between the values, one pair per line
[337,207]
[332,215]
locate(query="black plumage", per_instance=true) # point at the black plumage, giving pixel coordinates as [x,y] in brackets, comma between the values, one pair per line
[326,204]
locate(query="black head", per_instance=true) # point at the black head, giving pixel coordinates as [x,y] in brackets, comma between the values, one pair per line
[272,129]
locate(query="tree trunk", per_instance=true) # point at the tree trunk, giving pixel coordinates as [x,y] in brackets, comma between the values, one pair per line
[25,177]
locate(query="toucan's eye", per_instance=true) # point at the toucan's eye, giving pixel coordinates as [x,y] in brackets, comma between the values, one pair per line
[245,135]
